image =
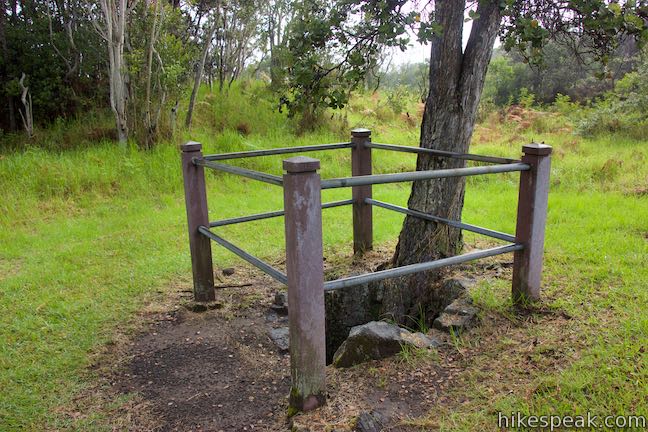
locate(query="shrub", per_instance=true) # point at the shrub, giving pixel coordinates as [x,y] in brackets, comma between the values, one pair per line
[527,99]
[565,106]
[397,98]
[486,108]
[623,110]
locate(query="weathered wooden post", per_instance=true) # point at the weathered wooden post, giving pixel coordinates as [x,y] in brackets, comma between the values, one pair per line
[531,220]
[362,212]
[305,270]
[197,215]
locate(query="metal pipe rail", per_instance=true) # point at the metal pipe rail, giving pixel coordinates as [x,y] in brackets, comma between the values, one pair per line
[277,151]
[244,172]
[419,267]
[256,262]
[442,153]
[272,214]
[456,224]
[421,175]
[304,274]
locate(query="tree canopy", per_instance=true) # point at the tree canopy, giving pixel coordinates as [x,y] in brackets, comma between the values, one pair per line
[335,45]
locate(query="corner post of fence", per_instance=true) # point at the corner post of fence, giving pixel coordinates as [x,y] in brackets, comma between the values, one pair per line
[305,271]
[197,215]
[531,221]
[362,212]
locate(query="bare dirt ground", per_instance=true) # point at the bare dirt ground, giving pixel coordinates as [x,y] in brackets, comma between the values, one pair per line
[218,370]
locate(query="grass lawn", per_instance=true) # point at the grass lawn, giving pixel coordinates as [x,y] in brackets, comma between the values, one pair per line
[89,235]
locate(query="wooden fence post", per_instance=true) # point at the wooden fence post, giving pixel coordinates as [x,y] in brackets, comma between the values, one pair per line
[305,270]
[362,212]
[197,215]
[531,221]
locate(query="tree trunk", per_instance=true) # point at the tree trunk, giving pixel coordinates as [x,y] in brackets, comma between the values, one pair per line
[221,66]
[174,116]
[28,116]
[114,32]
[118,92]
[456,83]
[5,76]
[200,67]
[273,56]
[150,125]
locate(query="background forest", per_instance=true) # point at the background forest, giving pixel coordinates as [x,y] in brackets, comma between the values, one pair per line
[72,61]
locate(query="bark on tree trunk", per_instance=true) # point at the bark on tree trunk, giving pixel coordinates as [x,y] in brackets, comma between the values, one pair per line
[28,116]
[200,67]
[114,32]
[456,82]
[150,125]
[5,57]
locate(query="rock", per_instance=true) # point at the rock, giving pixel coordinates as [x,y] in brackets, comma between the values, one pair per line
[345,309]
[452,323]
[229,271]
[419,340]
[273,317]
[457,316]
[453,288]
[280,305]
[376,340]
[280,338]
[370,422]
[461,306]
[281,299]
[280,310]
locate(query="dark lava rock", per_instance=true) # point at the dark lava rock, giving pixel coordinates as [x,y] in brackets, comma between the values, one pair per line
[281,299]
[453,289]
[461,306]
[345,309]
[357,305]
[280,305]
[457,316]
[370,422]
[280,338]
[229,271]
[376,340]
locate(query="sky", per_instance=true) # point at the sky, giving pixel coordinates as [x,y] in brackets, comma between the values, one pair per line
[418,53]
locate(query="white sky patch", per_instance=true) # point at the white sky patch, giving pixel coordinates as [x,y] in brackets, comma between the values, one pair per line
[418,52]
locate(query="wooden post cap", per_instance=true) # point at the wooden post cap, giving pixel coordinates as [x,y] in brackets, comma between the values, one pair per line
[360,132]
[191,146]
[300,164]
[537,149]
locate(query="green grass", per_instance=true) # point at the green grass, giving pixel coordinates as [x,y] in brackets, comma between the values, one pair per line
[90,234]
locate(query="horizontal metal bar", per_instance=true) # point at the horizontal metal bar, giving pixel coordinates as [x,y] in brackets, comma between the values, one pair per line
[244,172]
[442,153]
[256,262]
[277,151]
[416,268]
[421,175]
[456,224]
[271,214]
[258,216]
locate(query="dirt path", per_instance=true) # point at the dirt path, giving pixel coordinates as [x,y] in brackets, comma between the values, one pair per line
[201,372]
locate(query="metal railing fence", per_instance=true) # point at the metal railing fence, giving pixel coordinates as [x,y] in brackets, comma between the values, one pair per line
[302,211]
